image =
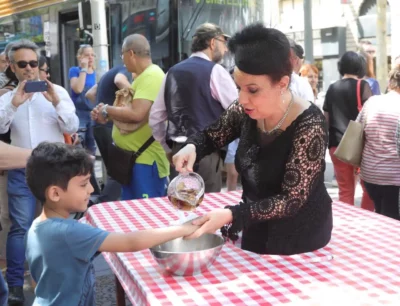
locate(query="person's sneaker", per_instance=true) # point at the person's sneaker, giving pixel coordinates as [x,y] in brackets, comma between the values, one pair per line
[16,296]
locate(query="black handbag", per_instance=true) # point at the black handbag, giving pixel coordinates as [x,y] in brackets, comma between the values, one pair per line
[120,162]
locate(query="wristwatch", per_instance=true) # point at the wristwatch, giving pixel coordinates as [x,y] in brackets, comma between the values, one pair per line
[83,70]
[104,112]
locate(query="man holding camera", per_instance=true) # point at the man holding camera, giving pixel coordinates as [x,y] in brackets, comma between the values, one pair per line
[33,117]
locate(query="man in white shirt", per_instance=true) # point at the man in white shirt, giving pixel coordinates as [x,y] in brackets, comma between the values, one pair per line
[32,119]
[298,85]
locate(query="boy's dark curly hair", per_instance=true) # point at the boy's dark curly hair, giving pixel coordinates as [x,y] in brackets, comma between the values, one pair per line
[259,50]
[55,164]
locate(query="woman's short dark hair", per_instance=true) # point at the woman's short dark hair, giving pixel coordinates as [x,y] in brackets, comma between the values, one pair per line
[259,50]
[42,61]
[352,63]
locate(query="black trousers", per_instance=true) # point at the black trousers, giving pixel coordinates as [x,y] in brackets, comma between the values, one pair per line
[386,199]
[103,137]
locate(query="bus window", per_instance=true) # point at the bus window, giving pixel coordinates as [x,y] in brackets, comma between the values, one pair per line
[149,18]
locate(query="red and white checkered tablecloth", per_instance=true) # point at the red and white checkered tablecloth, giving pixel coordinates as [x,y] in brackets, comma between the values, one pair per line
[360,266]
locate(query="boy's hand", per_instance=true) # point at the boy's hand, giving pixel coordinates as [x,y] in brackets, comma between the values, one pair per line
[211,222]
[189,228]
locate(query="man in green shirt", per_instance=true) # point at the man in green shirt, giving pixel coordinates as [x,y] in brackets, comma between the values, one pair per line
[149,174]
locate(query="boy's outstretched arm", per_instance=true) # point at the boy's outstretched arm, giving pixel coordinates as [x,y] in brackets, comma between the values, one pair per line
[141,240]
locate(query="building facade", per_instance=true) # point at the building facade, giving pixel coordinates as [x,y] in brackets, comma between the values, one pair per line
[338,26]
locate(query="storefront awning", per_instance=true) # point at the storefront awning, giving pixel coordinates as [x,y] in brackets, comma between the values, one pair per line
[10,7]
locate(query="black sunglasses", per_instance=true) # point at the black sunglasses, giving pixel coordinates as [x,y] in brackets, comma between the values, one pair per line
[47,71]
[23,64]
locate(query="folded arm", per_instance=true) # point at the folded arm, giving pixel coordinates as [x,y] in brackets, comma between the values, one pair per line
[134,113]
[77,80]
[121,81]
[91,94]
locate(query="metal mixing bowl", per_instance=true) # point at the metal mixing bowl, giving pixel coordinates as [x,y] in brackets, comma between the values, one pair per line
[188,257]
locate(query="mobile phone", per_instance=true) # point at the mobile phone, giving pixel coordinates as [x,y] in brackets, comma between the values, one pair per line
[36,86]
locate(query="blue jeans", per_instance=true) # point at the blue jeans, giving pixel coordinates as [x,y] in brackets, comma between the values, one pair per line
[86,124]
[145,183]
[3,291]
[22,207]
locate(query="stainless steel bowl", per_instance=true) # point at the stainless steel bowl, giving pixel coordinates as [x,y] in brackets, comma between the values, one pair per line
[188,257]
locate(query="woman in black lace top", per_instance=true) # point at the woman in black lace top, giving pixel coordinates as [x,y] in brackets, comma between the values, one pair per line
[285,208]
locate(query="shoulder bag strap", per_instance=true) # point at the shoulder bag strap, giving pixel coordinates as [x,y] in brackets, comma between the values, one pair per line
[359,95]
[145,146]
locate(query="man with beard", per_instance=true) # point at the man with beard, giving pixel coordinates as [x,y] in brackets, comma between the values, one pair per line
[194,94]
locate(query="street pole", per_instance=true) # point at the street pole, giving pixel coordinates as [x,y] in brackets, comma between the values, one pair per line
[308,32]
[100,42]
[381,52]
[395,26]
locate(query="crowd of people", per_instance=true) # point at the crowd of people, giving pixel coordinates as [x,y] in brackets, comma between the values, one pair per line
[267,114]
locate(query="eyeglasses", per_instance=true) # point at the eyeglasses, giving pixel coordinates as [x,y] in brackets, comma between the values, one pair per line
[140,52]
[47,71]
[222,40]
[23,64]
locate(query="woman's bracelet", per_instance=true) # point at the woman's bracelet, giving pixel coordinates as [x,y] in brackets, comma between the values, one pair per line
[232,230]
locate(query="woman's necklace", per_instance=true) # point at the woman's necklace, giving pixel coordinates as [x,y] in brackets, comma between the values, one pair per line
[279,124]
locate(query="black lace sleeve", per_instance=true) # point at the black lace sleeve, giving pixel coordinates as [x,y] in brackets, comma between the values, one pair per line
[304,167]
[225,130]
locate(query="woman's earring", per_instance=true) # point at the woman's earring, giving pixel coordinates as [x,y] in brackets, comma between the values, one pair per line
[283,100]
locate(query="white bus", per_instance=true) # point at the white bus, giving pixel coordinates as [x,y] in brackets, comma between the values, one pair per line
[168,24]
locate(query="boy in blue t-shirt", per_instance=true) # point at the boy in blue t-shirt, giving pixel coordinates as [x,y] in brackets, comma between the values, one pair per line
[59,250]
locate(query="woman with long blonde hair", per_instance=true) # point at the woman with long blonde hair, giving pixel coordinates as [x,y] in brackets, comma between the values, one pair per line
[82,78]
